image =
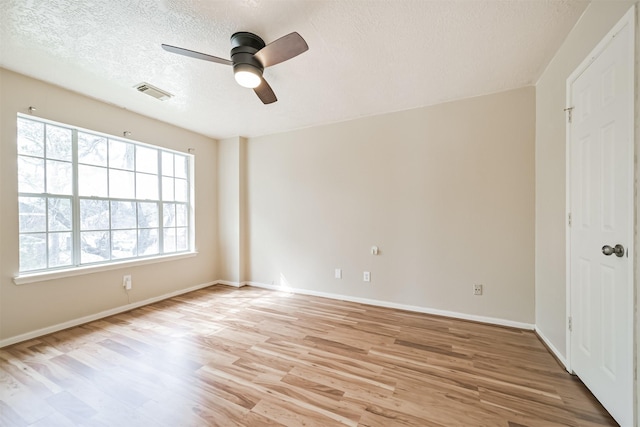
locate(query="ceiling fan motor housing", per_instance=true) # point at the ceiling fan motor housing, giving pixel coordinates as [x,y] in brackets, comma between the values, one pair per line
[243,46]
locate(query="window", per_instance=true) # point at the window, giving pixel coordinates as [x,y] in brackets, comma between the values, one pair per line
[87,198]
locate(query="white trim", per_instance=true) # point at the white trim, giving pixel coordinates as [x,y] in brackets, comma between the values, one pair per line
[553,349]
[378,303]
[388,304]
[567,229]
[228,283]
[78,271]
[90,318]
[629,19]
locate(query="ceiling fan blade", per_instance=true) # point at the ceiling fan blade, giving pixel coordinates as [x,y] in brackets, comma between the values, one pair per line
[194,54]
[265,93]
[281,50]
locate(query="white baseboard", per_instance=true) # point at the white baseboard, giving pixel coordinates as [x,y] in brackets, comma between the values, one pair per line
[418,309]
[229,283]
[379,303]
[553,349]
[90,318]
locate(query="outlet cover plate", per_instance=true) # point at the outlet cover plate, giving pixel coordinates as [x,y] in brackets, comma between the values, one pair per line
[126,282]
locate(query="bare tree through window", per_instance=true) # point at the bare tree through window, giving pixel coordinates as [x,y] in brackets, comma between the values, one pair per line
[88,198]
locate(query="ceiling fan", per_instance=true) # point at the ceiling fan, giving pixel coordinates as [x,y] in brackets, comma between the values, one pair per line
[250,56]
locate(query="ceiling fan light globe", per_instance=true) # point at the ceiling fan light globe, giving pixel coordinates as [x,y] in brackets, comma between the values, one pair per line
[247,79]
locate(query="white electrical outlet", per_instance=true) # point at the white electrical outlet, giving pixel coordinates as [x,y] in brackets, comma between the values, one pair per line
[366,276]
[126,282]
[477,289]
[338,273]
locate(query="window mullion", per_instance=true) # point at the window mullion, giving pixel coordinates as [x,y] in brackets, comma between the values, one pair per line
[160,227]
[160,204]
[99,207]
[46,228]
[190,203]
[109,195]
[46,197]
[75,201]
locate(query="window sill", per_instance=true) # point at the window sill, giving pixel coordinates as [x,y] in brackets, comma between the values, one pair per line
[23,279]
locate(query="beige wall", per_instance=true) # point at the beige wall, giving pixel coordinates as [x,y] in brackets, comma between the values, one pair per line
[446,192]
[231,209]
[550,271]
[29,307]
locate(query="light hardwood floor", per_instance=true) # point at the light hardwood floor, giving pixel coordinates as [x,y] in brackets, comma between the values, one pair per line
[253,357]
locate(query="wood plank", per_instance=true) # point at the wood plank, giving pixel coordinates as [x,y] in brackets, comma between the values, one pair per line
[253,357]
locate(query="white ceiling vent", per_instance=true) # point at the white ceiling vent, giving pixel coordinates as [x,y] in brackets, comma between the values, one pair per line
[153,91]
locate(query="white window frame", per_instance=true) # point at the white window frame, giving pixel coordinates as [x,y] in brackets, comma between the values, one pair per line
[77,267]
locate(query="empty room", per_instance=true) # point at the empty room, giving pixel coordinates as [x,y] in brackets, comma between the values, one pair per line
[319,213]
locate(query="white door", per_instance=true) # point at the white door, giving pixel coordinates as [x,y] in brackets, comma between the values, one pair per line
[601,206]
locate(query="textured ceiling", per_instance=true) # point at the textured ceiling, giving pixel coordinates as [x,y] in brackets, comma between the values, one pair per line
[365,57]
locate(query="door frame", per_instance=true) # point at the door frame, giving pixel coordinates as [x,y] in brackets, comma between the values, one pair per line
[629,18]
